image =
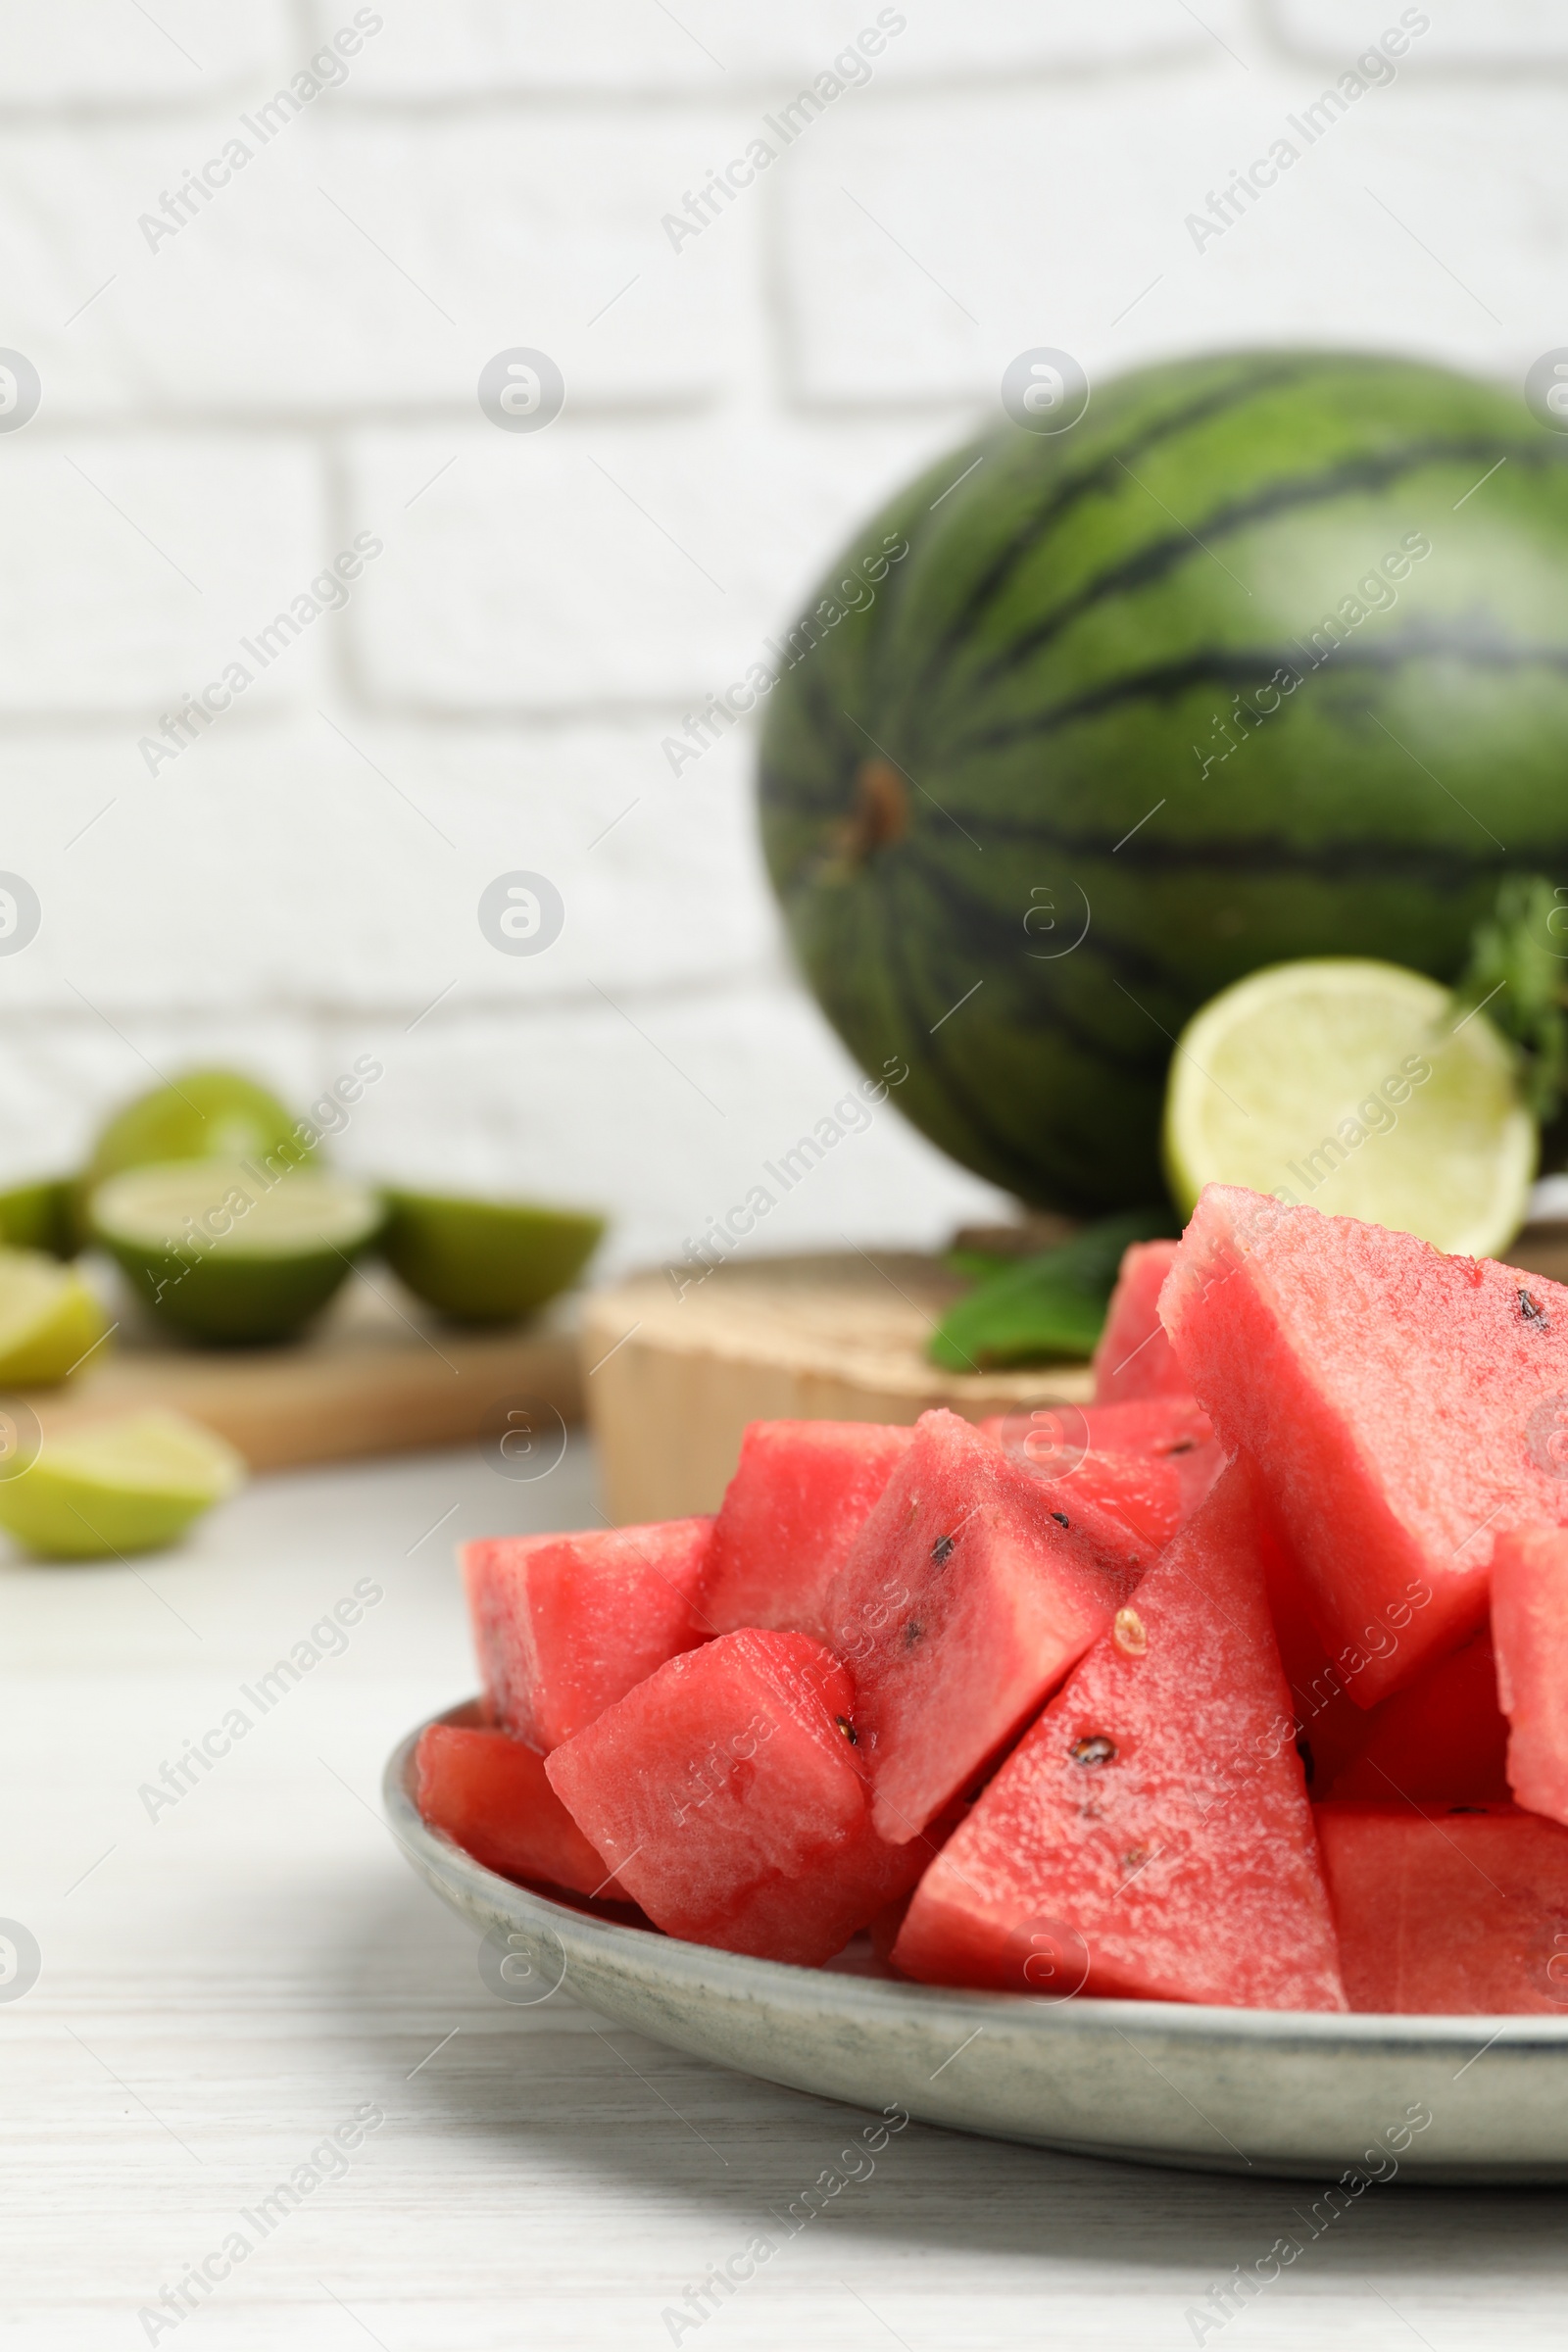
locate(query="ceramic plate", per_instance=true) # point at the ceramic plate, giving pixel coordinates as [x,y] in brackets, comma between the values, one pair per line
[1478,2099]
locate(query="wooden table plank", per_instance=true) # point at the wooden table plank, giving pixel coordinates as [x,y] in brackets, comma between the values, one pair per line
[226,1982]
[232,1978]
[373,1379]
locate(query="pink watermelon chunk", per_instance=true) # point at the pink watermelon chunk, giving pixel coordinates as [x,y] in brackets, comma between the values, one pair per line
[565,1625]
[1134,1357]
[1154,1821]
[726,1792]
[968,1593]
[800,1494]
[1529,1632]
[1464,1914]
[1141,1493]
[1440,1742]
[1400,1406]
[490,1796]
[1330,1727]
[1174,1429]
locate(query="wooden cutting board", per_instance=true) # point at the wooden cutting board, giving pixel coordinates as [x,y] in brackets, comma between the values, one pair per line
[372,1379]
[670,1383]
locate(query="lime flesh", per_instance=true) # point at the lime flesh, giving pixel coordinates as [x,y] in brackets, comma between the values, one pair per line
[49,1320]
[224,1250]
[485,1261]
[1357,1088]
[132,1485]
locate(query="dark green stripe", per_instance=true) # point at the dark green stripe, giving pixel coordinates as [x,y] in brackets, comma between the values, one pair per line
[1019,1172]
[1102,474]
[1159,558]
[1271,857]
[1057,1016]
[1165,681]
[979,925]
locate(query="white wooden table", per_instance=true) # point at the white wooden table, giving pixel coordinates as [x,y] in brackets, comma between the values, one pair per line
[226,1983]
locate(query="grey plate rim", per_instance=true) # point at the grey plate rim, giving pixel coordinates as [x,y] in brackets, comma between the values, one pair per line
[675,1992]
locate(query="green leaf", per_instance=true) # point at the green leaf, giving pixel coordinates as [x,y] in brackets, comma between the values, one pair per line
[1518,971]
[1046,1308]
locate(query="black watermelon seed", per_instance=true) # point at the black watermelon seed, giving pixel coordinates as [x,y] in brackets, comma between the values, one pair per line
[912,1631]
[942,1550]
[1060,1517]
[1532,1309]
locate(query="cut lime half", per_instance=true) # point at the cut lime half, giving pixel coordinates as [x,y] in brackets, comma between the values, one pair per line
[200,1114]
[225,1250]
[485,1261]
[41,1216]
[49,1320]
[1358,1089]
[122,1486]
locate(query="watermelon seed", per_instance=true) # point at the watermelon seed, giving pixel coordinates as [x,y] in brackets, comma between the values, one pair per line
[1127,1631]
[1060,1517]
[1095,1749]
[848,1730]
[1532,1309]
[912,1631]
[942,1550]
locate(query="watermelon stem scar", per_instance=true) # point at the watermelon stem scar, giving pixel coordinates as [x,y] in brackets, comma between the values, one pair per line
[881,814]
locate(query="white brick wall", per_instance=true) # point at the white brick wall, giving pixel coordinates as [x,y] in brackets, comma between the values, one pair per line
[226,407]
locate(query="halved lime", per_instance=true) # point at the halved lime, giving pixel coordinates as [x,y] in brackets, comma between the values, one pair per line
[129,1485]
[485,1261]
[49,1320]
[41,1216]
[1359,1089]
[225,1250]
[200,1114]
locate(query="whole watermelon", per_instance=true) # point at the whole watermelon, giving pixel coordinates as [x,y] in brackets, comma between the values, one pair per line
[1265,656]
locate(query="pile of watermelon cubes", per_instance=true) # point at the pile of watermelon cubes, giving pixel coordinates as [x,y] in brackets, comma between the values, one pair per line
[1245,1684]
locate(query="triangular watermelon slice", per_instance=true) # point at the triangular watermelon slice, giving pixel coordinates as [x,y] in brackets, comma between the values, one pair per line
[1440,1742]
[1463,1912]
[1529,1632]
[564,1625]
[800,1494]
[969,1592]
[488,1792]
[1154,1819]
[1399,1403]
[1140,1492]
[1330,1727]
[1134,1357]
[1171,1430]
